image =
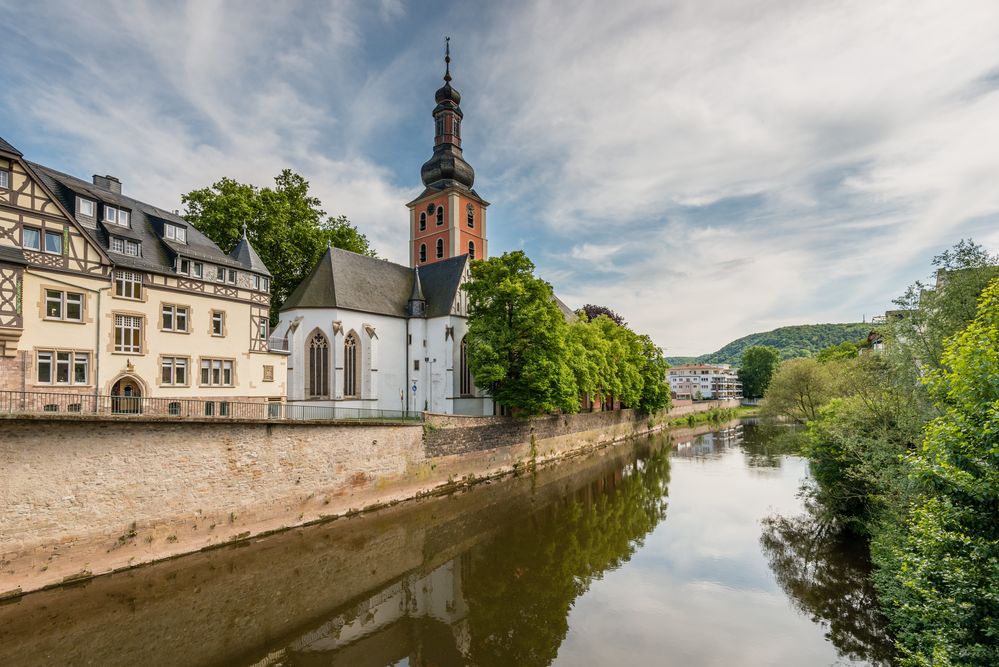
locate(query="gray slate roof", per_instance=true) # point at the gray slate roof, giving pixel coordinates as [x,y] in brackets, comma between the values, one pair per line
[7,147]
[344,279]
[147,225]
[247,256]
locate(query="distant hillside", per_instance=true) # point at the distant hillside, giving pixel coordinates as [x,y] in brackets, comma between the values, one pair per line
[803,340]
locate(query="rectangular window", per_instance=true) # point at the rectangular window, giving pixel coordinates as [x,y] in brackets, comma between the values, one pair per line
[61,305]
[117,244]
[174,318]
[256,283]
[184,266]
[81,367]
[173,371]
[132,248]
[63,367]
[216,372]
[198,269]
[219,274]
[31,238]
[232,277]
[4,179]
[45,367]
[262,325]
[223,408]
[127,333]
[128,284]
[53,242]
[116,216]
[84,207]
[218,323]
[175,233]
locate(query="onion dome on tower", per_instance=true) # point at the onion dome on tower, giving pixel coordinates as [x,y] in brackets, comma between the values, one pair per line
[447,167]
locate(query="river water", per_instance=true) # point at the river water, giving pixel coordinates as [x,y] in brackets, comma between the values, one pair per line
[681,549]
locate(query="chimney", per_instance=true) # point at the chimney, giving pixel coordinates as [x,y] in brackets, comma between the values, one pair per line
[108,182]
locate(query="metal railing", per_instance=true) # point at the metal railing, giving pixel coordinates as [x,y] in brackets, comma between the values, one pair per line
[278,344]
[50,403]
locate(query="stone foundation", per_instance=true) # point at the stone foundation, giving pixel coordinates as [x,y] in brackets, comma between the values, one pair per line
[85,496]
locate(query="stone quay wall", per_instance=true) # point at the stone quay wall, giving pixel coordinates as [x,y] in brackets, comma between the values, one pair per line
[89,495]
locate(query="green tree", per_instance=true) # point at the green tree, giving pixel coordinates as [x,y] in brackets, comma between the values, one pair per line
[286,225]
[518,338]
[799,388]
[940,576]
[655,388]
[845,350]
[592,312]
[758,365]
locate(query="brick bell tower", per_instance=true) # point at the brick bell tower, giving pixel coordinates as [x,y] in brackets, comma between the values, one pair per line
[448,219]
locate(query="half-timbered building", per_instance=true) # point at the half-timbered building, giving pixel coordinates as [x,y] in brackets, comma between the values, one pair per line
[103,294]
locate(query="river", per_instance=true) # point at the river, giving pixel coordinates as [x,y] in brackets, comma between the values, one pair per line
[686,549]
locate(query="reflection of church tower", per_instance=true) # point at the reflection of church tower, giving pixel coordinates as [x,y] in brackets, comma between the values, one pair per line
[448,218]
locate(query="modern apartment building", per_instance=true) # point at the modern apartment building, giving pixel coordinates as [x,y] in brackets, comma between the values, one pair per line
[704,381]
[102,294]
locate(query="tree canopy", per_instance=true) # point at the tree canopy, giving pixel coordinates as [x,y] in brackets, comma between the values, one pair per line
[757,366]
[286,225]
[523,351]
[517,339]
[941,574]
[802,340]
[592,312]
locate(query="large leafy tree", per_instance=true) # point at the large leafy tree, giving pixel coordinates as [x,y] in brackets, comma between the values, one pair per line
[593,311]
[941,575]
[286,225]
[518,338]
[759,363]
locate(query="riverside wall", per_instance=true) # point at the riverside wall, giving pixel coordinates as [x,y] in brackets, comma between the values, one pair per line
[85,496]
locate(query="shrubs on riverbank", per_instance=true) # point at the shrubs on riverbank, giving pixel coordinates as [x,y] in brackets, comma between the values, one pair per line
[904,449]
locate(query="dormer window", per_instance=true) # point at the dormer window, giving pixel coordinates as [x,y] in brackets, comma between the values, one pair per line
[84,207]
[125,246]
[116,216]
[175,233]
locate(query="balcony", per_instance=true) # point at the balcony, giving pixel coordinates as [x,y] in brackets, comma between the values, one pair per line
[278,344]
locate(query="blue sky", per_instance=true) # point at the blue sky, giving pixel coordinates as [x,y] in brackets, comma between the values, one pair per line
[708,169]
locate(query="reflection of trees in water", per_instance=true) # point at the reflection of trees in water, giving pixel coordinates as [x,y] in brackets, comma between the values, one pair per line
[766,444]
[520,587]
[826,573]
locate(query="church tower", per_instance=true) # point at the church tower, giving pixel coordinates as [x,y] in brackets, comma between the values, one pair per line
[448,219]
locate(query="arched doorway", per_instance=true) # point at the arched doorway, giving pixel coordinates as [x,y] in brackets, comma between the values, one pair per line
[126,396]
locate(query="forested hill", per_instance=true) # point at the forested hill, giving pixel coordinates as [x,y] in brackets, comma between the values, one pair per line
[803,340]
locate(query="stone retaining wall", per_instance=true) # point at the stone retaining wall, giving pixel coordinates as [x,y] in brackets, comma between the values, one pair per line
[85,496]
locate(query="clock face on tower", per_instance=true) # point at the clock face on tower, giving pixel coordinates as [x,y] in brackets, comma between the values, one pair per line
[431,208]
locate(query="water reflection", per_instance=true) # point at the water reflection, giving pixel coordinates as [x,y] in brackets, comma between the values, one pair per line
[826,572]
[575,564]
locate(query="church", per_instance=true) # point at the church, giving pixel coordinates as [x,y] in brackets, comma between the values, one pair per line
[371,334]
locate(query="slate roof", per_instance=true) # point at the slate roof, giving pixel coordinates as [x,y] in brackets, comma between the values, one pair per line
[7,147]
[146,226]
[247,256]
[344,279]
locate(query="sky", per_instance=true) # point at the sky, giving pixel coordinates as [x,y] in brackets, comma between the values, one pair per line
[707,169]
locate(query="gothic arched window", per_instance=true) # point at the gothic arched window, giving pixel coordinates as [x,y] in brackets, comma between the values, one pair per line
[423,252]
[423,222]
[350,383]
[471,249]
[465,374]
[440,215]
[440,248]
[471,215]
[319,366]
[457,127]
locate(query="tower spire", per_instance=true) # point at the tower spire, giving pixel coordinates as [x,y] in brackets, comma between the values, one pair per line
[447,59]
